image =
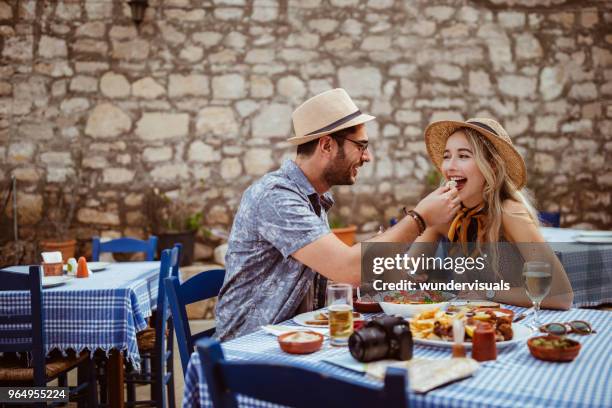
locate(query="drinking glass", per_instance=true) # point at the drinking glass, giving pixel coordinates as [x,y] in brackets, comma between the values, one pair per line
[340,310]
[537,277]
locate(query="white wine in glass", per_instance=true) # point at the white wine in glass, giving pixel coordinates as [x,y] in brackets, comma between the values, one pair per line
[537,277]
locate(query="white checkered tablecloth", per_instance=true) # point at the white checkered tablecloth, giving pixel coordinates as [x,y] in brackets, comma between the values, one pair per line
[515,379]
[104,311]
[588,266]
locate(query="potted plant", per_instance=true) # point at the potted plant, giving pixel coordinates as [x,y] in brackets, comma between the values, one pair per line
[56,233]
[173,221]
[346,233]
[433,180]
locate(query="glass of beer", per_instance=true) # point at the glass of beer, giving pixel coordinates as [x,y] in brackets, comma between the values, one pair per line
[340,311]
[538,280]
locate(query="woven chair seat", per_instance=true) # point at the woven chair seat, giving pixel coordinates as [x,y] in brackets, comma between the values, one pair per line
[146,339]
[13,368]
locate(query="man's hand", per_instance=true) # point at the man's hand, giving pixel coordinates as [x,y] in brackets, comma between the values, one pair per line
[440,206]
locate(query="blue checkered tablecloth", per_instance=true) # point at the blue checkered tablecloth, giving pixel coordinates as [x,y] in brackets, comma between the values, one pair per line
[514,379]
[588,266]
[104,311]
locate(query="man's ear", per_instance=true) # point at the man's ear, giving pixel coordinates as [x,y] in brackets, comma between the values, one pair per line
[325,144]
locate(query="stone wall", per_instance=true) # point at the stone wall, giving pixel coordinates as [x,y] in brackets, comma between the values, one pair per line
[199,99]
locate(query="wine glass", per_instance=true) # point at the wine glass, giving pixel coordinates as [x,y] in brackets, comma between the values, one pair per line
[537,277]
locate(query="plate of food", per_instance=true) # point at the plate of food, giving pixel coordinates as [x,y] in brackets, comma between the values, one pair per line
[435,327]
[320,318]
[410,303]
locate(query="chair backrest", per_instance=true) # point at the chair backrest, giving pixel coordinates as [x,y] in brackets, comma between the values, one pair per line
[170,259]
[25,332]
[292,386]
[550,219]
[204,285]
[126,245]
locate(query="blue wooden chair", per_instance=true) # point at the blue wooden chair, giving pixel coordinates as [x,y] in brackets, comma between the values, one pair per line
[202,286]
[550,219]
[156,343]
[125,245]
[292,386]
[14,370]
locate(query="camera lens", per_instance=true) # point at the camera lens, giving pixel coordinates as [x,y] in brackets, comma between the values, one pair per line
[369,344]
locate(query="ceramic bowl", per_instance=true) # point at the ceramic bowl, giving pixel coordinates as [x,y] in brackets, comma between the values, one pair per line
[553,354]
[300,347]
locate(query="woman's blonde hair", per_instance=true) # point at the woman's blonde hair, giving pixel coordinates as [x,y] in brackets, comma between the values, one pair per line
[498,186]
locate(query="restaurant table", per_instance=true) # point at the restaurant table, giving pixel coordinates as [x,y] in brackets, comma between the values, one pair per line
[588,266]
[514,379]
[101,312]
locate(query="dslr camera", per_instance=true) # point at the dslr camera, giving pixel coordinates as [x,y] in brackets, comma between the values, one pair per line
[386,337]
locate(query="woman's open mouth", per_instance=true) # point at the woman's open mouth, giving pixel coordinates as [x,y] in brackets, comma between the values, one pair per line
[459,180]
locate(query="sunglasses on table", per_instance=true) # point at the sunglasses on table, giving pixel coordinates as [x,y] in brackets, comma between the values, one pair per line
[576,326]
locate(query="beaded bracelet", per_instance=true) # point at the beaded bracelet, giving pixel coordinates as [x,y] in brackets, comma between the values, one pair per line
[417,218]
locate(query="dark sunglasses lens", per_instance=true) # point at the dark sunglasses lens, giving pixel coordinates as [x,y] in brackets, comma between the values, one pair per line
[581,327]
[554,328]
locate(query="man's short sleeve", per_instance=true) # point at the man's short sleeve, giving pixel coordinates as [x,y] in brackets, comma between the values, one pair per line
[287,221]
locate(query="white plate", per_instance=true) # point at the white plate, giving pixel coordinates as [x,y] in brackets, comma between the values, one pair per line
[51,281]
[593,239]
[521,333]
[410,309]
[595,234]
[301,319]
[94,266]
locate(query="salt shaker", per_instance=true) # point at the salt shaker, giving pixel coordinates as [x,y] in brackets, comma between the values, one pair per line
[458,337]
[71,266]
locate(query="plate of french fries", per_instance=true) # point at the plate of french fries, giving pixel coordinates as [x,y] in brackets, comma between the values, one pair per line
[434,327]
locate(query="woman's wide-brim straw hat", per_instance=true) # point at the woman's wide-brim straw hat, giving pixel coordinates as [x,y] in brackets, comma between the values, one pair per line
[437,133]
[325,113]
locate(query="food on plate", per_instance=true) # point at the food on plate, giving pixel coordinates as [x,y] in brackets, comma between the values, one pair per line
[437,324]
[416,297]
[474,304]
[322,319]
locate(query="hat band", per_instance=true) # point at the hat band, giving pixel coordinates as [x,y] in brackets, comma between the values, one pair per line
[336,123]
[485,127]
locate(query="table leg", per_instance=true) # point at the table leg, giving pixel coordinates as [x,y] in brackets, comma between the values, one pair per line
[115,379]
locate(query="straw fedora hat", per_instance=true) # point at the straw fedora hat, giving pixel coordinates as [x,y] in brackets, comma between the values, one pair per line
[325,113]
[437,133]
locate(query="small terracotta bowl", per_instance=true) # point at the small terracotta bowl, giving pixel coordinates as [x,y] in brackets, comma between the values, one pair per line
[366,307]
[358,323]
[300,347]
[554,354]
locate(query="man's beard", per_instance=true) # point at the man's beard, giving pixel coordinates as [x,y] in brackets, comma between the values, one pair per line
[339,171]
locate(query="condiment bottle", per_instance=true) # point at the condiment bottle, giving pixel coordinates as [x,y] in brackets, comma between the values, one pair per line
[82,270]
[71,267]
[484,347]
[458,337]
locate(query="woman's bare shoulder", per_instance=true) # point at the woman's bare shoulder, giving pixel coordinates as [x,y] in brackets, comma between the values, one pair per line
[510,206]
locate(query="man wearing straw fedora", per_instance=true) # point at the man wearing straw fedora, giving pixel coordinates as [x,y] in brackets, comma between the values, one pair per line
[281,250]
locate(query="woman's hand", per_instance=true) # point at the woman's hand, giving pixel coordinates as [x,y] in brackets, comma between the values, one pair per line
[440,206]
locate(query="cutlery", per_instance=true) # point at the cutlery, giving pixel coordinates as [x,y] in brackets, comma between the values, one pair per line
[523,315]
